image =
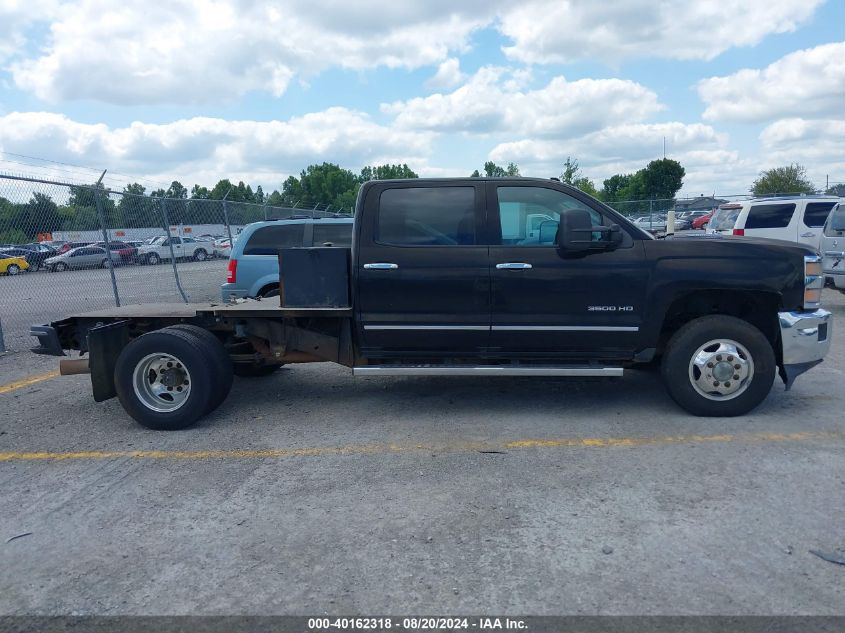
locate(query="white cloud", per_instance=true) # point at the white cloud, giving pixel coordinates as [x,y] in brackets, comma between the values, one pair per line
[448,75]
[553,31]
[495,100]
[199,51]
[805,83]
[204,50]
[207,149]
[816,144]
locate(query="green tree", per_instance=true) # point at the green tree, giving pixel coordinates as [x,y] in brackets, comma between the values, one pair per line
[475,174]
[199,193]
[137,209]
[617,187]
[492,170]
[40,215]
[837,190]
[325,184]
[82,212]
[789,179]
[387,172]
[572,175]
[663,178]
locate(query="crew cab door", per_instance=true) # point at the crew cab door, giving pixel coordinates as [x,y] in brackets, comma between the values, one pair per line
[421,270]
[544,303]
[811,227]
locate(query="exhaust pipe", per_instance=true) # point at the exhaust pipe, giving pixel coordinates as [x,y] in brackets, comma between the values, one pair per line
[72,367]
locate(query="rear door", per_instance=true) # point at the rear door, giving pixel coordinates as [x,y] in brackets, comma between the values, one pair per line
[833,245]
[812,222]
[421,270]
[544,304]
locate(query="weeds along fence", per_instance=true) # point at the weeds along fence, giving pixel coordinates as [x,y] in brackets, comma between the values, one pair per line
[36,212]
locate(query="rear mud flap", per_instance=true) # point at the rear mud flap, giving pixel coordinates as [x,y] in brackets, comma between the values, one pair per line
[105,342]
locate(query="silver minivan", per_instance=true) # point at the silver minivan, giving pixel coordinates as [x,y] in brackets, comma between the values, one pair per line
[82,257]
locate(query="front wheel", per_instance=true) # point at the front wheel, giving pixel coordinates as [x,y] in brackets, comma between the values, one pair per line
[164,379]
[106,263]
[153,259]
[718,366]
[60,267]
[13,269]
[200,255]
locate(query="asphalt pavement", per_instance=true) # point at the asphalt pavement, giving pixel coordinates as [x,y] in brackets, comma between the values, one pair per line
[313,492]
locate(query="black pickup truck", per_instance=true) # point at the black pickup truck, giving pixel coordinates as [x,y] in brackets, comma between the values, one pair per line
[478,277]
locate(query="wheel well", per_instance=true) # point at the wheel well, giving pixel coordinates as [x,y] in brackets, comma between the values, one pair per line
[267,288]
[757,308]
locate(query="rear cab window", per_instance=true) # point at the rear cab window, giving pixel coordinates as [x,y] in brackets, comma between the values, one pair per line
[427,216]
[267,240]
[835,225]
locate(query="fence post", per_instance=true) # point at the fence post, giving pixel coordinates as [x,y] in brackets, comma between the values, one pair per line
[266,217]
[106,241]
[2,342]
[170,244]
[226,219]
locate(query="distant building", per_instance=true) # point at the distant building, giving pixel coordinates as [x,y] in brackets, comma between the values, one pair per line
[701,203]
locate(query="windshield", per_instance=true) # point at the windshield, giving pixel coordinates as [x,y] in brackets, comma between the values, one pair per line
[724,219]
[158,241]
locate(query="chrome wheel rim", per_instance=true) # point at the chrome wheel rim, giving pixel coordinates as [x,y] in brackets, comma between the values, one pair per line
[13,269]
[721,369]
[161,382]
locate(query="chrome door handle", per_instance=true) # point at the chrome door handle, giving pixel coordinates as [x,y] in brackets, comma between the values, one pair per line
[513,266]
[381,266]
[834,253]
[808,234]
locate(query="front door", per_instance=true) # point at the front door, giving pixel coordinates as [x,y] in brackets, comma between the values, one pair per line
[422,272]
[545,304]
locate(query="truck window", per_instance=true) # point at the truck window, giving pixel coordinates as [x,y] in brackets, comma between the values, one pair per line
[769,216]
[427,216]
[835,225]
[336,234]
[529,216]
[269,239]
[816,213]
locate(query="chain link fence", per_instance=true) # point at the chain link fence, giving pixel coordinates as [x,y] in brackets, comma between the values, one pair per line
[54,260]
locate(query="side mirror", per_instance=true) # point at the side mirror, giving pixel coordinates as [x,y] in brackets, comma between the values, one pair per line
[575,234]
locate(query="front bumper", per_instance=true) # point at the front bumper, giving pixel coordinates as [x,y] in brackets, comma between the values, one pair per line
[805,338]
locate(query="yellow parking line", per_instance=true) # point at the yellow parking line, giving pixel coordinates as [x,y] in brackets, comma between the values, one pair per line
[26,382]
[451,447]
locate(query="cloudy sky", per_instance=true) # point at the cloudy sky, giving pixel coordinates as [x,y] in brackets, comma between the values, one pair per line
[199,90]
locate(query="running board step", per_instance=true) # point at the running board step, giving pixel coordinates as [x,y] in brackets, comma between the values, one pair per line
[485,370]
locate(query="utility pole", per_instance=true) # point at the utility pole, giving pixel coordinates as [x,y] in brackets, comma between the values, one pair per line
[664,148]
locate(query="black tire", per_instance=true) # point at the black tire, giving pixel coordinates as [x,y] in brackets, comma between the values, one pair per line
[106,263]
[217,358]
[191,352]
[252,370]
[153,259]
[60,267]
[200,255]
[684,345]
[274,292]
[13,269]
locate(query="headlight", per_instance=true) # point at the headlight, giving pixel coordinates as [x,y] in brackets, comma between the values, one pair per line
[813,281]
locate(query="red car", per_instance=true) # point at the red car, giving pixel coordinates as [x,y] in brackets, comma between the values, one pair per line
[125,251]
[700,221]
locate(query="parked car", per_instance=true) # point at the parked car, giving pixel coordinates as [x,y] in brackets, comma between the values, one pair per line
[222,247]
[254,263]
[652,223]
[35,259]
[793,219]
[54,244]
[64,248]
[701,221]
[12,264]
[83,257]
[126,251]
[183,248]
[833,247]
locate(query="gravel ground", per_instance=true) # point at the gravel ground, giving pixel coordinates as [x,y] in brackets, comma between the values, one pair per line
[325,493]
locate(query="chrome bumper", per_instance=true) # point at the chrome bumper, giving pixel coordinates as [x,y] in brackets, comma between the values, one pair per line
[806,340]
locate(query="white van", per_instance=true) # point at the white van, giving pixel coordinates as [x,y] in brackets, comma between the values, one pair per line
[833,247]
[793,219]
